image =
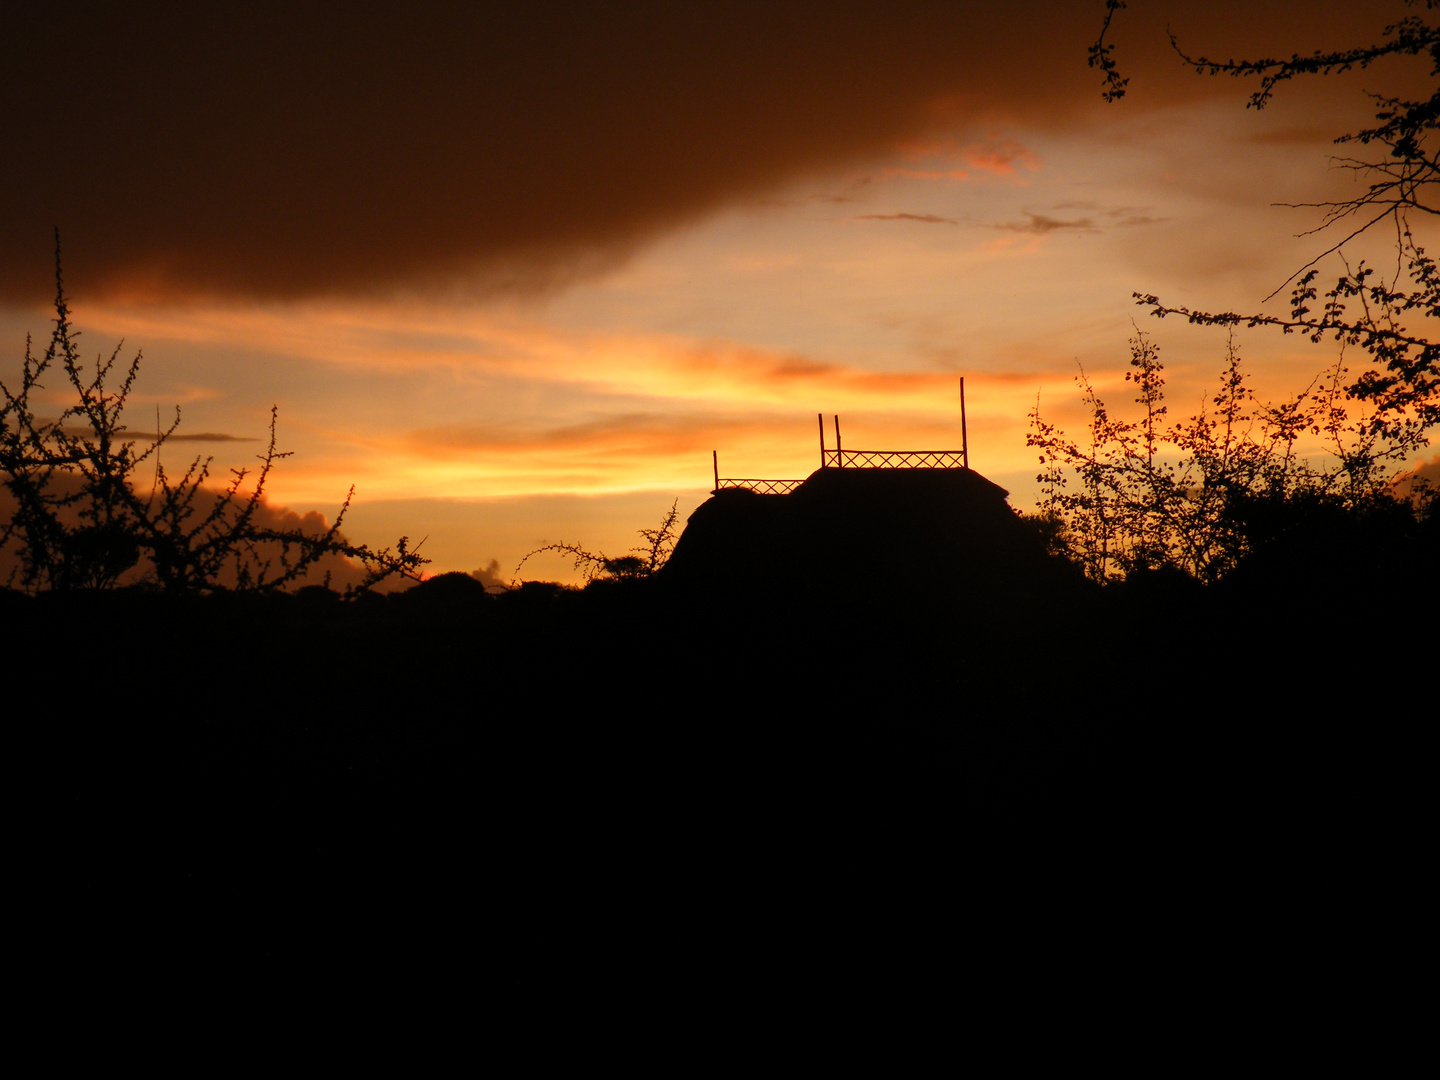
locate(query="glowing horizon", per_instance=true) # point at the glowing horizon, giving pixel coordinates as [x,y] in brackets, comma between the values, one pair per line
[983,239]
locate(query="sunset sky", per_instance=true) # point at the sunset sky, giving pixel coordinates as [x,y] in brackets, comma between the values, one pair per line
[515,271]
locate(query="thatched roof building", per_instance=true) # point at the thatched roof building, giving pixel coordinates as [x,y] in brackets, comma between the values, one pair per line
[849,530]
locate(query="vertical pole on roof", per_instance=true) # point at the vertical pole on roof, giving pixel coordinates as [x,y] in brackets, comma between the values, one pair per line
[839,458]
[715,460]
[964,442]
[821,417]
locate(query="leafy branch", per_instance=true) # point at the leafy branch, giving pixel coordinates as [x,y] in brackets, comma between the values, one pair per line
[1402,385]
[1102,57]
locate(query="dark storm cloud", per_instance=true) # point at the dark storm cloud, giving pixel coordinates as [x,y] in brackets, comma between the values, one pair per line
[287,150]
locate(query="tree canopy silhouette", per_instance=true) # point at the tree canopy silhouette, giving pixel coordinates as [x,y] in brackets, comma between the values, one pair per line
[1361,308]
[1143,494]
[1200,494]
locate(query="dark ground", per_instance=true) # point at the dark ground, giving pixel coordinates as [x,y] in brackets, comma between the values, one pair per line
[697,774]
[299,783]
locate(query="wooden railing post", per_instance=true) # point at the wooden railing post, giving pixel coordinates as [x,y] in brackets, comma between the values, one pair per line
[715,460]
[821,417]
[839,453]
[964,443]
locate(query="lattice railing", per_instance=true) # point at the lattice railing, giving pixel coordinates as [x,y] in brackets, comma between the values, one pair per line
[893,459]
[760,487]
[851,459]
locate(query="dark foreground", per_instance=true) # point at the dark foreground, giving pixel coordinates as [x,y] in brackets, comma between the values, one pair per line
[445,782]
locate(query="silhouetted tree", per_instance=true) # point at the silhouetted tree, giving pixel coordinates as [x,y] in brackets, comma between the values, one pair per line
[1403,387]
[79,520]
[1144,494]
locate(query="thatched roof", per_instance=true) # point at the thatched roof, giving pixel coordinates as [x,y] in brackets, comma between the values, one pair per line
[907,529]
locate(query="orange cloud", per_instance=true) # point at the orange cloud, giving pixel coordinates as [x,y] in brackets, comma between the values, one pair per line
[615,411]
[670,449]
[951,160]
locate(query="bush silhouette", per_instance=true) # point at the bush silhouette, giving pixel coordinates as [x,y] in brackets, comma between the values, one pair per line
[78,520]
[645,562]
[1200,494]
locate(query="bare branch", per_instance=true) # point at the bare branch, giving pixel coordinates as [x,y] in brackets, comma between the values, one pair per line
[79,522]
